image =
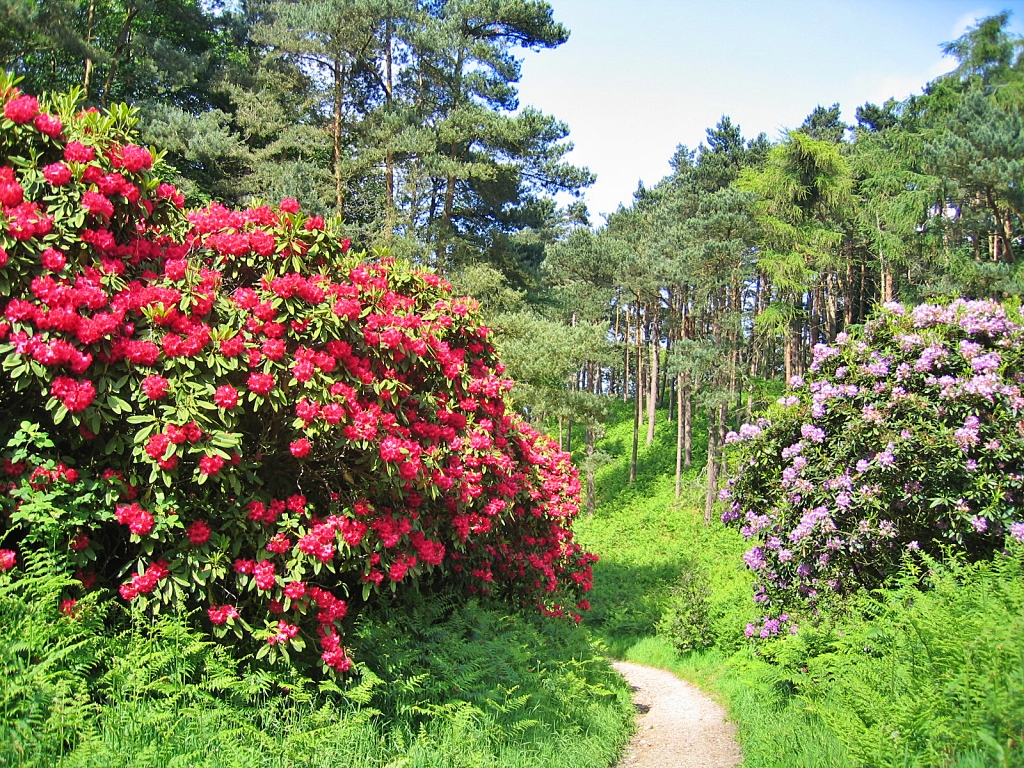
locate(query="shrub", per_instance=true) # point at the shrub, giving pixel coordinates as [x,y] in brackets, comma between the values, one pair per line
[689,622]
[908,440]
[270,427]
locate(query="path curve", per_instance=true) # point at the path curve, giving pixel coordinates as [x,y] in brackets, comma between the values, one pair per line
[678,725]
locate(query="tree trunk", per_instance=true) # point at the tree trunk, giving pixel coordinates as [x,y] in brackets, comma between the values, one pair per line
[652,391]
[123,39]
[832,308]
[679,434]
[389,158]
[862,294]
[591,497]
[448,211]
[641,369]
[637,411]
[754,357]
[87,76]
[618,317]
[1003,250]
[849,298]
[449,191]
[687,426]
[636,436]
[787,352]
[814,300]
[712,467]
[339,181]
[723,419]
[625,364]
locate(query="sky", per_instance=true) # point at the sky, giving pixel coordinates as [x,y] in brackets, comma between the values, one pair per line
[637,78]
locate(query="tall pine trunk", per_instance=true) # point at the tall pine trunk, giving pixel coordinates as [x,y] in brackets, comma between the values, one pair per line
[637,410]
[636,437]
[712,465]
[625,363]
[687,425]
[123,40]
[652,384]
[339,181]
[591,497]
[87,76]
[679,433]
[389,157]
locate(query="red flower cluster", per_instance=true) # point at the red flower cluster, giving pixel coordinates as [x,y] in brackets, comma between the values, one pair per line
[75,395]
[155,387]
[226,396]
[198,533]
[145,582]
[139,521]
[21,109]
[220,614]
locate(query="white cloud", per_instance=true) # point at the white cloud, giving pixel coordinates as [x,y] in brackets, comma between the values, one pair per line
[895,87]
[967,20]
[941,67]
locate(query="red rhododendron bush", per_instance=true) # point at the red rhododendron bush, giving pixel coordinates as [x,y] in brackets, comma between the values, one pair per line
[237,416]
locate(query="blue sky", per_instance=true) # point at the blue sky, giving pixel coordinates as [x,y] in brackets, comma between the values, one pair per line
[638,78]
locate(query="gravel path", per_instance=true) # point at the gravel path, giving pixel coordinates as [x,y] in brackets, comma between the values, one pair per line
[678,725]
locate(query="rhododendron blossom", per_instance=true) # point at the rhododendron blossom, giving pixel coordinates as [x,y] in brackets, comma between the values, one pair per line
[21,109]
[226,396]
[155,387]
[139,521]
[198,533]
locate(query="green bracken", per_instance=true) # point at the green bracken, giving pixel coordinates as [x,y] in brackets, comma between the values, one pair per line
[444,684]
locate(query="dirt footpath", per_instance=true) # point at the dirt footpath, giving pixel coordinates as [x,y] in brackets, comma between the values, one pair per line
[678,725]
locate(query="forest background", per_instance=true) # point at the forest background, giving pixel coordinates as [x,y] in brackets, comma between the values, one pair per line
[400,119]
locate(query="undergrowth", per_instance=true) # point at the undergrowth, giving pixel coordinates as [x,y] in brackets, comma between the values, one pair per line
[443,684]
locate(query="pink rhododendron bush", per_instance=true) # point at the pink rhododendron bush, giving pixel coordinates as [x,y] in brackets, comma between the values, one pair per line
[225,411]
[906,440]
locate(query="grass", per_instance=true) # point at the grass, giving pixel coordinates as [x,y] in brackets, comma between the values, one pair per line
[648,540]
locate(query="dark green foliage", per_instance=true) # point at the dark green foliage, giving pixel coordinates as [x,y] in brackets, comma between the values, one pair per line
[687,621]
[115,50]
[519,677]
[825,124]
[907,677]
[45,661]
